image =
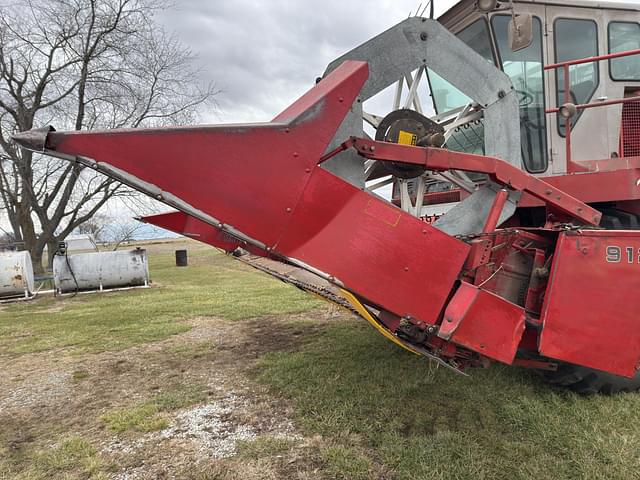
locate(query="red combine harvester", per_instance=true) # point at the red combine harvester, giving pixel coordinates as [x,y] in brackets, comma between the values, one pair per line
[512,231]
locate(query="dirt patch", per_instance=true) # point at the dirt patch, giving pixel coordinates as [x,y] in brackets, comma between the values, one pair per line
[45,395]
[255,337]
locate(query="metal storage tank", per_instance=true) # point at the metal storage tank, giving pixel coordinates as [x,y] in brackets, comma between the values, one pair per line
[101,270]
[16,274]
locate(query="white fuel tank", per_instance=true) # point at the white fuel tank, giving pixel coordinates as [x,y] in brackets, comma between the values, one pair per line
[16,274]
[101,270]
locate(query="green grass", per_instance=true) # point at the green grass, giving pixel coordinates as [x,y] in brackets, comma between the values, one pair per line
[72,453]
[264,446]
[358,390]
[151,415]
[70,457]
[213,285]
[345,463]
[145,417]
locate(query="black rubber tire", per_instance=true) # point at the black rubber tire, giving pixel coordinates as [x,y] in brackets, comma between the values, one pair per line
[587,381]
[613,219]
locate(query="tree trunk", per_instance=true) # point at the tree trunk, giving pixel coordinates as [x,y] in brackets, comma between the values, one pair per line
[36,258]
[29,237]
[52,248]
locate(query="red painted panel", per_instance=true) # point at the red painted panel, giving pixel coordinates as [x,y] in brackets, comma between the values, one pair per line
[184,224]
[378,251]
[245,175]
[264,180]
[484,323]
[590,314]
[603,186]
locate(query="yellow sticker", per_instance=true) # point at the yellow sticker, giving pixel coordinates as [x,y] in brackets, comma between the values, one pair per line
[406,138]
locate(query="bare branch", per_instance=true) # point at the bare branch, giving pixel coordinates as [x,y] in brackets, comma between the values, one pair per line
[82,64]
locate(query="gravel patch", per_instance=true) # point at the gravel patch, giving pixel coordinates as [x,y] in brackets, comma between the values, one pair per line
[212,430]
[209,425]
[41,389]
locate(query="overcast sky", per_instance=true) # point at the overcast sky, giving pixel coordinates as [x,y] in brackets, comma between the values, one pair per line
[263,55]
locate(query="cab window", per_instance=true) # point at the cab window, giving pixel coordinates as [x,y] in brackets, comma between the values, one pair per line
[477,37]
[446,97]
[624,36]
[525,68]
[576,39]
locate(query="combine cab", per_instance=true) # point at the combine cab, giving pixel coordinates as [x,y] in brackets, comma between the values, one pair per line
[511,231]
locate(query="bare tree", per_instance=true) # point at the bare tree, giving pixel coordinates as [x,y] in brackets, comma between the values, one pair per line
[81,64]
[111,231]
[7,241]
[94,227]
[120,232]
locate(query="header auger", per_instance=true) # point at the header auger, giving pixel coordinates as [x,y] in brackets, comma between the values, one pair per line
[478,257]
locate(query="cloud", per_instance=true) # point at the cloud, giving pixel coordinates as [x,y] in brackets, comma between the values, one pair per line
[263,55]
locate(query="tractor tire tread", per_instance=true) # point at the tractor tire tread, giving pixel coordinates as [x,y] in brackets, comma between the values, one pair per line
[587,381]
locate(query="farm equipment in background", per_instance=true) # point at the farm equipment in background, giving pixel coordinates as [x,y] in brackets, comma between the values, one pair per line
[512,234]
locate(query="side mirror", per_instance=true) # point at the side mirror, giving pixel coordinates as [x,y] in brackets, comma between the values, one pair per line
[486,6]
[520,31]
